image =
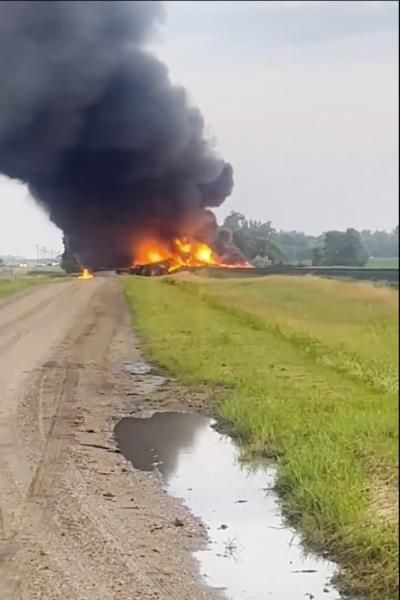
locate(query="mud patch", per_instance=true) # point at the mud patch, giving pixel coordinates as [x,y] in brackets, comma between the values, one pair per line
[252,554]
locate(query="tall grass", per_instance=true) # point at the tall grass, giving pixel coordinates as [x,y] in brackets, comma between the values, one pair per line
[304,370]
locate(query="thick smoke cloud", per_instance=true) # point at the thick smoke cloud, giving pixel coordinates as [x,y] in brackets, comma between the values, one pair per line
[91,122]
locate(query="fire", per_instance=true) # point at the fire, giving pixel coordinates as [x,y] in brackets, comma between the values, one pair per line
[85,275]
[204,254]
[151,251]
[179,253]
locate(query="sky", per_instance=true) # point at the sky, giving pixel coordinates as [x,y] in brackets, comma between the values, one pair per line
[302,99]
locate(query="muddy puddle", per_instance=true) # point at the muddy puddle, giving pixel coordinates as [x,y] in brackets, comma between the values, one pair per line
[252,554]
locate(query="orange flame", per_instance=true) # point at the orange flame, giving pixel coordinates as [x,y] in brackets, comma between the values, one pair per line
[85,275]
[181,252]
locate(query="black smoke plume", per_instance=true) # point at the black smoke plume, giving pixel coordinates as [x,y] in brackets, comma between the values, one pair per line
[90,121]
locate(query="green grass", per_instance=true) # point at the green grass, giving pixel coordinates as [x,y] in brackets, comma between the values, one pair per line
[383,263]
[10,286]
[303,370]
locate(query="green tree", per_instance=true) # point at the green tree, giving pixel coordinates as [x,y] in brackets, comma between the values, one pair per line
[341,249]
[354,251]
[296,246]
[253,238]
[234,221]
[381,244]
[252,244]
[318,256]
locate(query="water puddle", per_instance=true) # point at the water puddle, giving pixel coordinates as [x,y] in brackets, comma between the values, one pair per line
[138,367]
[252,554]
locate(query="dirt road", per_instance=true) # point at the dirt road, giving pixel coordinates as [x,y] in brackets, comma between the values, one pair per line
[76,521]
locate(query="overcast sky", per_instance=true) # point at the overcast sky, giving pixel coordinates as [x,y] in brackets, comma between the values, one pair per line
[303,100]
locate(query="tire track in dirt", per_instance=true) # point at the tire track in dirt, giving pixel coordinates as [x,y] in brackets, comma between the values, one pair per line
[64,538]
[32,507]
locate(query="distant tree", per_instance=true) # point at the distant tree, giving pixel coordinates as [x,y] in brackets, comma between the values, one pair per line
[253,238]
[341,249]
[351,248]
[295,246]
[333,248]
[318,256]
[69,262]
[354,251]
[234,221]
[253,244]
[381,244]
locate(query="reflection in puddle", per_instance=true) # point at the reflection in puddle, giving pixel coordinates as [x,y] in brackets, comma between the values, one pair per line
[252,554]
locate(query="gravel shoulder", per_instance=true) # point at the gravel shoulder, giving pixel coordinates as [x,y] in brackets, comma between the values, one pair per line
[77,521]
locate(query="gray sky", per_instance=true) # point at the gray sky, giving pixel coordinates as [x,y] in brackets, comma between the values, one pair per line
[303,100]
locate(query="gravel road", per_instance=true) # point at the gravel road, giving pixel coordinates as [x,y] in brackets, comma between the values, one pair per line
[76,521]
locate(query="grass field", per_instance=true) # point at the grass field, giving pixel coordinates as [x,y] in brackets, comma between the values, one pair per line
[383,263]
[303,370]
[10,286]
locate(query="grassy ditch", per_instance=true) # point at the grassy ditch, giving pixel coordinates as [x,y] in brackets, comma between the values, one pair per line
[304,370]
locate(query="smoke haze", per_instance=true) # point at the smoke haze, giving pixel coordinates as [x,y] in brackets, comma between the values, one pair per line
[90,121]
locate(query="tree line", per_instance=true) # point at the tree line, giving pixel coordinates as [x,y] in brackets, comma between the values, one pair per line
[262,244]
